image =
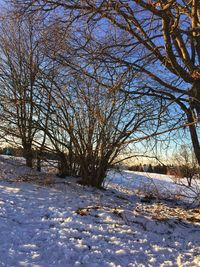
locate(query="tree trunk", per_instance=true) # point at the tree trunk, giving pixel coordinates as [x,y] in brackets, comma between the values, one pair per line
[28,154]
[63,168]
[195,97]
[38,163]
[93,176]
[29,158]
[194,137]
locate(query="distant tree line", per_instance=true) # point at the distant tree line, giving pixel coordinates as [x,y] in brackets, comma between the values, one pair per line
[176,171]
[162,169]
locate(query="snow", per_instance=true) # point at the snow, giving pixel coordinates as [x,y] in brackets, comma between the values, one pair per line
[163,186]
[66,224]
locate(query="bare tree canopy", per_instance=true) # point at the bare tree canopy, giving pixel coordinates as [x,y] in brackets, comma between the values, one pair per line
[160,39]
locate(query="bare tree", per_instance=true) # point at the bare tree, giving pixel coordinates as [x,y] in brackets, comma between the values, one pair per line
[19,71]
[168,34]
[92,122]
[187,164]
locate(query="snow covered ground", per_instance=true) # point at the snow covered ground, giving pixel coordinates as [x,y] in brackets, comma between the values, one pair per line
[159,185]
[66,224]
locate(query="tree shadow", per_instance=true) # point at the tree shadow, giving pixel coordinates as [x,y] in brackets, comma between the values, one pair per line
[41,227]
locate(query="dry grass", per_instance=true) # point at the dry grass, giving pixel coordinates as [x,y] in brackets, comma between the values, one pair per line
[161,212]
[45,179]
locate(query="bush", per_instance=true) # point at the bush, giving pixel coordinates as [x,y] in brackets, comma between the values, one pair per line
[188,173]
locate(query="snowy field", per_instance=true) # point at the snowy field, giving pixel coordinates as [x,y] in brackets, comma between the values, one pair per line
[66,224]
[158,185]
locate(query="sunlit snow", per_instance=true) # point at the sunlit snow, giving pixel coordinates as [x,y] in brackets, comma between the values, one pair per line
[69,225]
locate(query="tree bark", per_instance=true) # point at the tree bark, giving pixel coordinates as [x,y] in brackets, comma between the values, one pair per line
[195,95]
[29,158]
[38,162]
[93,176]
[28,154]
[63,167]
[194,137]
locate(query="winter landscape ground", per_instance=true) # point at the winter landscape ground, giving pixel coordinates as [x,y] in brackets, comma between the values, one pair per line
[57,222]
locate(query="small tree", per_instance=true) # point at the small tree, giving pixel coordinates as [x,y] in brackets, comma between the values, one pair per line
[188,166]
[19,70]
